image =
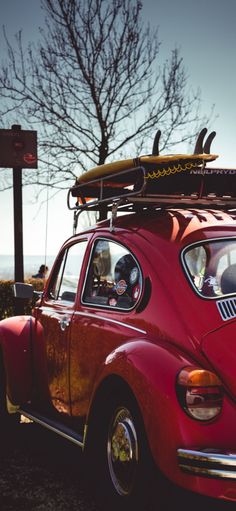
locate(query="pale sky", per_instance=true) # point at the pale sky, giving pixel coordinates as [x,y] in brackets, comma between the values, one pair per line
[204,31]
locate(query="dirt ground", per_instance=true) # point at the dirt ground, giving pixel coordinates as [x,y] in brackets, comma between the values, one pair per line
[40,471]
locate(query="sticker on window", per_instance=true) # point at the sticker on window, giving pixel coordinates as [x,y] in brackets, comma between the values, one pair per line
[121,287]
[211,281]
[136,292]
[112,302]
[133,276]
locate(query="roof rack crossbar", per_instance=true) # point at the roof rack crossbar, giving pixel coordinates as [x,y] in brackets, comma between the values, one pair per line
[126,183]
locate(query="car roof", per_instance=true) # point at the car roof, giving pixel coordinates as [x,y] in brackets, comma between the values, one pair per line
[176,225]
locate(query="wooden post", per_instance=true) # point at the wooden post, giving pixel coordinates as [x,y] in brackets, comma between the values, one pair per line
[18,229]
[18,225]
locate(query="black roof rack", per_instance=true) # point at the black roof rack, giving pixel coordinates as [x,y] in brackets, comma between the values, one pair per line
[157,181]
[198,187]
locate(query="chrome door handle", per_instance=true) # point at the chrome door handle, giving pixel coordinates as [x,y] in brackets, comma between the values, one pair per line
[64,323]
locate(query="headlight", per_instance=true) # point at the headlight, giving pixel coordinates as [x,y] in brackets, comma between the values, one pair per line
[200,393]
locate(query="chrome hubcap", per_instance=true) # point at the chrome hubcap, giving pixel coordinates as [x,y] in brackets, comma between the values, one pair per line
[122,451]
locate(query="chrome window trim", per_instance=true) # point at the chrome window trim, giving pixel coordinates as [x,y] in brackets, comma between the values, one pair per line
[186,271]
[108,307]
[64,252]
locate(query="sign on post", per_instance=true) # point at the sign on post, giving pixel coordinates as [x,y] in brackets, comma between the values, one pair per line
[18,148]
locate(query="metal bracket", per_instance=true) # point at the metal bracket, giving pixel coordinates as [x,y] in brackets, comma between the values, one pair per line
[114,211]
[75,220]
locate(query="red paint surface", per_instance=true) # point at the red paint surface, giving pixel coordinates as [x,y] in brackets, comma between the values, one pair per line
[170,327]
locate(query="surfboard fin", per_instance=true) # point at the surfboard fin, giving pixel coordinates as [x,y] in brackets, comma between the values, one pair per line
[199,143]
[202,147]
[155,147]
[207,145]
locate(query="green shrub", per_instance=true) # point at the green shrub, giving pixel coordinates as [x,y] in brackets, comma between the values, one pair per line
[7,300]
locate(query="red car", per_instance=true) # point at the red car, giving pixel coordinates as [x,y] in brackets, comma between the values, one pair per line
[130,352]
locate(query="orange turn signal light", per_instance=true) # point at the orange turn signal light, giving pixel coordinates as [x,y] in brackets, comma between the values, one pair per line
[195,377]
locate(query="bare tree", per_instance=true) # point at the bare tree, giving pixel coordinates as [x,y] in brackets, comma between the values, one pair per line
[93,87]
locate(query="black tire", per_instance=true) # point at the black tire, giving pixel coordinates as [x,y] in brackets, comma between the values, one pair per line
[8,421]
[122,466]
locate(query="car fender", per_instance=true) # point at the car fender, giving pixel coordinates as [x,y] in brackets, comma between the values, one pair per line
[16,335]
[150,370]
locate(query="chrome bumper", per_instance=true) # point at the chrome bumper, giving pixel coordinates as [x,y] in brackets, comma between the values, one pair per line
[209,464]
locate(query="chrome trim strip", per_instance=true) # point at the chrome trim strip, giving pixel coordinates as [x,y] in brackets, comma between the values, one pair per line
[56,312]
[217,474]
[49,426]
[105,318]
[209,464]
[221,459]
[93,316]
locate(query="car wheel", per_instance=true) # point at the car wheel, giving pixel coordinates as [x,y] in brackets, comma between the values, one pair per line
[124,468]
[7,420]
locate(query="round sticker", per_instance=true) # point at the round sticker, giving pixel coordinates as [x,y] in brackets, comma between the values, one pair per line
[121,287]
[136,292]
[133,276]
[112,302]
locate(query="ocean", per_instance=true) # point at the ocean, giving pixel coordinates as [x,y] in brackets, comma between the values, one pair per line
[31,265]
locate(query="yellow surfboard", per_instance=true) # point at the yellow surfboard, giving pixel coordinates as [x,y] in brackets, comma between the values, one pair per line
[180,162]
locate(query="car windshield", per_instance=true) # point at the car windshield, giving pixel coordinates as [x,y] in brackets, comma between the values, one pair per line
[211,267]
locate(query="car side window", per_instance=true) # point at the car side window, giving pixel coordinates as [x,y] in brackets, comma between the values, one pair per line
[65,284]
[114,277]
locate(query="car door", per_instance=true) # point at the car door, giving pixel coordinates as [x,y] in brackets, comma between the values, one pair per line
[104,318]
[55,314]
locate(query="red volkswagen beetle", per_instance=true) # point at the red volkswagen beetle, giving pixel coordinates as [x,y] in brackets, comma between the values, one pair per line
[130,351]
